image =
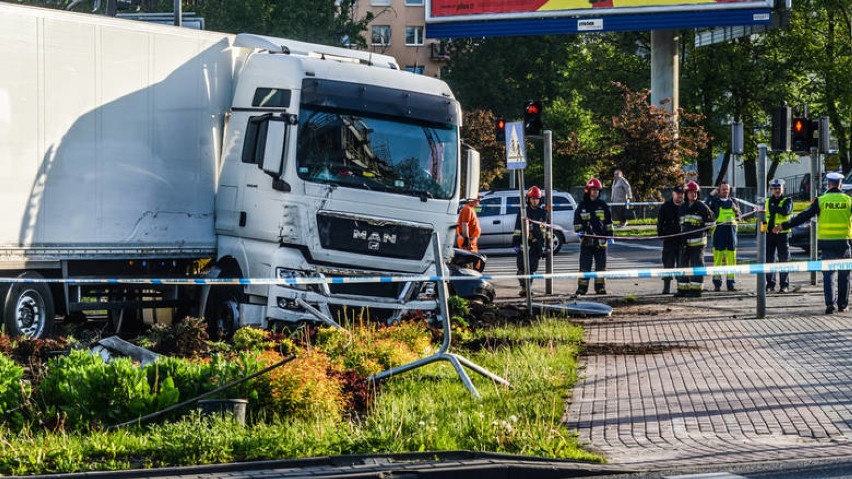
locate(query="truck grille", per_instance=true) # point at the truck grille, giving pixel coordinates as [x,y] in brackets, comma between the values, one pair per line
[373,236]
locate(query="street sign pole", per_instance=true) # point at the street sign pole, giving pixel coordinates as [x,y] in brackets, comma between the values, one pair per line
[548,187]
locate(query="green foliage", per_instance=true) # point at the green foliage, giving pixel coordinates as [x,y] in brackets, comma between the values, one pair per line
[251,339]
[424,409]
[13,392]
[90,392]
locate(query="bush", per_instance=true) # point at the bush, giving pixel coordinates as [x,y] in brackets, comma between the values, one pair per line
[301,388]
[13,392]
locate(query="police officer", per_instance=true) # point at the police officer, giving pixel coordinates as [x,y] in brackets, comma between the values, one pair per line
[725,208]
[695,220]
[593,217]
[778,210]
[668,226]
[834,232]
[535,236]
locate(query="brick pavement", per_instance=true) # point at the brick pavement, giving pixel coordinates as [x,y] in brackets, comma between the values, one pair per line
[716,385]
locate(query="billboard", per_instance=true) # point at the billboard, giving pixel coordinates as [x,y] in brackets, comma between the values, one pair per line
[475,10]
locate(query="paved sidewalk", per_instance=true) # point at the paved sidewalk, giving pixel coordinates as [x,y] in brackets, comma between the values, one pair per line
[698,382]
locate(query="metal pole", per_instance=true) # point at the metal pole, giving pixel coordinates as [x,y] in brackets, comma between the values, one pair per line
[815,177]
[761,236]
[548,187]
[443,353]
[525,241]
[178,13]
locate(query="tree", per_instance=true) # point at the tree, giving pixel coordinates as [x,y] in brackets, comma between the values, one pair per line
[650,143]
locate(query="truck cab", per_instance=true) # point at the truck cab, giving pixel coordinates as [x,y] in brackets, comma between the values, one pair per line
[333,166]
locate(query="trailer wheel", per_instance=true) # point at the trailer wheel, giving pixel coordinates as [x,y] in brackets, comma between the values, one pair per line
[28,309]
[223,311]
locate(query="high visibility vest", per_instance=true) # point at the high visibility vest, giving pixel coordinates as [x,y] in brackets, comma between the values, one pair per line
[779,218]
[834,220]
[727,215]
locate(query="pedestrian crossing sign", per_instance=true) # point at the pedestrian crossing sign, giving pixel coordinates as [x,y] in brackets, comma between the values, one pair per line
[516,154]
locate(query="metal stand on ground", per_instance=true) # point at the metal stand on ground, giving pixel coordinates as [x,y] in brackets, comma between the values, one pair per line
[443,353]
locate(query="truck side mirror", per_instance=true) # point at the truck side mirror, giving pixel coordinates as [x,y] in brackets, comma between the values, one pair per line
[471,177]
[273,151]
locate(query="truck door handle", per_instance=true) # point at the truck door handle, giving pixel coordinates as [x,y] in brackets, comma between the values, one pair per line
[496,222]
[242,218]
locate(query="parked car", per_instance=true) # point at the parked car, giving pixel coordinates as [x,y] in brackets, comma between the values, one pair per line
[499,208]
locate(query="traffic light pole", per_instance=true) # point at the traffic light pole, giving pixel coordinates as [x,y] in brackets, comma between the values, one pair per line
[815,180]
[548,187]
[761,234]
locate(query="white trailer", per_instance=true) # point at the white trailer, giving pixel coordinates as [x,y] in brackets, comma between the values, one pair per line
[132,150]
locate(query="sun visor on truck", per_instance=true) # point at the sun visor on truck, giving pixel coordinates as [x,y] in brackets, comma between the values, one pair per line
[379,101]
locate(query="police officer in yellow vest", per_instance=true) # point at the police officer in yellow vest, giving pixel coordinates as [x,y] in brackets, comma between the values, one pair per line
[834,233]
[778,210]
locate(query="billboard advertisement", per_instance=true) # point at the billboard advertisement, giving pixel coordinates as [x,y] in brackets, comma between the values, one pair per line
[472,10]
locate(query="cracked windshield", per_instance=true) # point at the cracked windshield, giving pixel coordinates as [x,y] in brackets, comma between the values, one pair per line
[370,153]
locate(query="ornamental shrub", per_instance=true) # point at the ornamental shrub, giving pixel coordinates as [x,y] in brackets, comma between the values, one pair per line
[13,392]
[301,388]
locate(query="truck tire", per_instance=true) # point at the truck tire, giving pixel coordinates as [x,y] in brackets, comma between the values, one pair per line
[28,308]
[222,312]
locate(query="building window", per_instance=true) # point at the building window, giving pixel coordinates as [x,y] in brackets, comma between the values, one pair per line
[417,69]
[414,2]
[414,36]
[380,3]
[381,34]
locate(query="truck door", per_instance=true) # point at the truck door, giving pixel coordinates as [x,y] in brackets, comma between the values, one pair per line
[263,158]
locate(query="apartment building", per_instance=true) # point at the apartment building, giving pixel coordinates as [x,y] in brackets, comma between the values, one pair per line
[399,29]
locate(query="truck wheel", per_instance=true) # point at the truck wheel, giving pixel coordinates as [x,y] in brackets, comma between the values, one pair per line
[223,311]
[28,309]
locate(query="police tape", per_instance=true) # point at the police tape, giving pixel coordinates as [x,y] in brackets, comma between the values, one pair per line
[792,267]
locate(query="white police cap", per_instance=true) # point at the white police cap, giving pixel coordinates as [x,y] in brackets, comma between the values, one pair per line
[776,183]
[834,176]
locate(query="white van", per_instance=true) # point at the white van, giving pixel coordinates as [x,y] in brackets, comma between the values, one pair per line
[499,208]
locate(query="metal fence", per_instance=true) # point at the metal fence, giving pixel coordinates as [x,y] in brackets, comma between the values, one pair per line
[640,210]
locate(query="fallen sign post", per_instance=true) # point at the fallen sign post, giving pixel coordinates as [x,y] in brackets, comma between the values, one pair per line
[576,308]
[443,353]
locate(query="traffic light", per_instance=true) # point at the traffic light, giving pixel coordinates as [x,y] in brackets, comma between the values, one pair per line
[500,129]
[781,128]
[800,134]
[532,118]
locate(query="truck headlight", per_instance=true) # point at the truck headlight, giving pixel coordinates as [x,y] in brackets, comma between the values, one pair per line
[287,273]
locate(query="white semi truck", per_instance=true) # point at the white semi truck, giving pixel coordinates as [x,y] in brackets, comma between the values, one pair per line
[132,150]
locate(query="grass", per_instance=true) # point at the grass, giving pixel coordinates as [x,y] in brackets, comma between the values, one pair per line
[427,409]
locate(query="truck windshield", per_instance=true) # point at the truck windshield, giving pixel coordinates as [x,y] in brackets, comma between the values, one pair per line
[373,153]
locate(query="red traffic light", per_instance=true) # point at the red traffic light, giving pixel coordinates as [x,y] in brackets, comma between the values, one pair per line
[533,108]
[799,125]
[501,124]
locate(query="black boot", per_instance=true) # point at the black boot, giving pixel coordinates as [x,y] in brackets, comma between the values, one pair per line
[667,287]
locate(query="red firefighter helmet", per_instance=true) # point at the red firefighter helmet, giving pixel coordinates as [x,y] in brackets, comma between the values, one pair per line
[534,192]
[593,183]
[692,186]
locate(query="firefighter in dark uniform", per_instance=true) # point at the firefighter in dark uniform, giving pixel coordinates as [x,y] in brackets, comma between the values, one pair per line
[778,210]
[593,217]
[695,220]
[668,224]
[834,233]
[535,236]
[725,208]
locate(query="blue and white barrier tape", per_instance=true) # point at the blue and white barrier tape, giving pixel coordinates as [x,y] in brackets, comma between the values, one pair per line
[793,267]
